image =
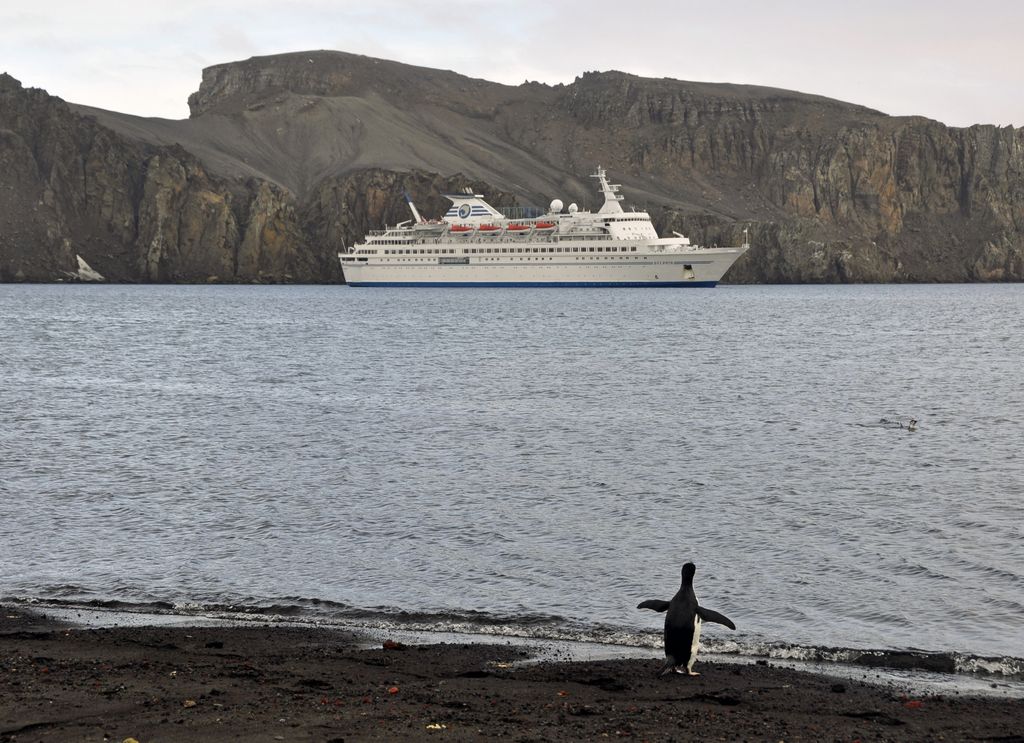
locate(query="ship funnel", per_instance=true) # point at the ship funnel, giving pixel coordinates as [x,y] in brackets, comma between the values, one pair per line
[415,213]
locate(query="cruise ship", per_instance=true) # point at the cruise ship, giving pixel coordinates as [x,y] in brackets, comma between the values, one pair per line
[474,244]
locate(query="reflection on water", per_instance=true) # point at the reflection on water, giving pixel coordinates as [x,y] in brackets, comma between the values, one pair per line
[526,452]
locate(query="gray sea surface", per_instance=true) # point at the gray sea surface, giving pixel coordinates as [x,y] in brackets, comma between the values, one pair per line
[529,461]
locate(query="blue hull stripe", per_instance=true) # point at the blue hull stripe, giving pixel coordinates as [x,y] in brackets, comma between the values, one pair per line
[537,284]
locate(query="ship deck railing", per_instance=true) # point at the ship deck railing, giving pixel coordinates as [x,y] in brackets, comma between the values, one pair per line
[549,239]
[522,212]
[648,249]
[476,238]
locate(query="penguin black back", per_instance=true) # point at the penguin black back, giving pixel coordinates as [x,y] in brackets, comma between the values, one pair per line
[683,620]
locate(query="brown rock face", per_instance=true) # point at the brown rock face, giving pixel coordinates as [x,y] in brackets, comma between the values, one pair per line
[286,159]
[34,244]
[834,192]
[133,211]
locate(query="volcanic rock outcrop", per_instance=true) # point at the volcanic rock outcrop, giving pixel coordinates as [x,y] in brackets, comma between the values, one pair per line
[286,159]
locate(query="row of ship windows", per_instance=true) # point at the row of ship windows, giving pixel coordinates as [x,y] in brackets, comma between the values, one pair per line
[494,237]
[551,258]
[466,251]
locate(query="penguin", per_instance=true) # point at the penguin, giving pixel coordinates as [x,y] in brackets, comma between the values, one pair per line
[682,624]
[910,425]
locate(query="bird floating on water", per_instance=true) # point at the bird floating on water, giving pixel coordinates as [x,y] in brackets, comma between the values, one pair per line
[910,425]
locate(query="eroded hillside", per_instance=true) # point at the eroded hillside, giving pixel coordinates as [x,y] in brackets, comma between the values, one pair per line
[287,158]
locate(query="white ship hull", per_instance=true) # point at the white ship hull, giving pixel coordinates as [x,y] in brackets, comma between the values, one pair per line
[697,268]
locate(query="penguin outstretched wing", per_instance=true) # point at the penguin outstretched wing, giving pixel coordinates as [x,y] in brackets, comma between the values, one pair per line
[654,604]
[706,615]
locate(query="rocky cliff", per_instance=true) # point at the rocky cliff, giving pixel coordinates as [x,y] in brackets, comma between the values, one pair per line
[132,211]
[287,158]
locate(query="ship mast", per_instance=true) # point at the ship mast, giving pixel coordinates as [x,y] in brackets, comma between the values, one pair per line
[612,197]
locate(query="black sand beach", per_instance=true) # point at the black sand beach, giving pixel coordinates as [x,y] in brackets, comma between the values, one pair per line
[271,683]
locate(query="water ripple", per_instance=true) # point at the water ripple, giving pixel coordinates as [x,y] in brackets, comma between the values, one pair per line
[525,454]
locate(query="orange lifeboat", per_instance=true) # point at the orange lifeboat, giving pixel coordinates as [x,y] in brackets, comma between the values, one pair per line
[489,229]
[462,229]
[517,228]
[544,225]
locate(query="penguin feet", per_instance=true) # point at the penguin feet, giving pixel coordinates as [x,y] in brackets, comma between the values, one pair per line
[687,671]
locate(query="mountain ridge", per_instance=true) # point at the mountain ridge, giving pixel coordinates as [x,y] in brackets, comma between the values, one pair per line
[831,191]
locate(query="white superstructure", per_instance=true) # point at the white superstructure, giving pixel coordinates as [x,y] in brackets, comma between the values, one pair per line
[476,245]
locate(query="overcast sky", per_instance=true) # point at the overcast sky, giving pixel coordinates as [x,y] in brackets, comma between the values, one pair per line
[958,62]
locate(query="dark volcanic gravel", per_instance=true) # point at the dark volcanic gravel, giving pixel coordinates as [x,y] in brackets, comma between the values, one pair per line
[272,683]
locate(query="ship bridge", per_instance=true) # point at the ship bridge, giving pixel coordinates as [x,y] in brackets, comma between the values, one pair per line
[469,207]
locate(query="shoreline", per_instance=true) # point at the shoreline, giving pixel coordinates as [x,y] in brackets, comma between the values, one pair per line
[917,671]
[62,681]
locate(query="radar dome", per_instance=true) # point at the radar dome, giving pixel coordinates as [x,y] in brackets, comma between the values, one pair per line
[556,206]
[573,208]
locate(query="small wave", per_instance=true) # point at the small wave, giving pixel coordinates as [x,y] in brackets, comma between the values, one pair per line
[134,607]
[905,660]
[543,627]
[1009,667]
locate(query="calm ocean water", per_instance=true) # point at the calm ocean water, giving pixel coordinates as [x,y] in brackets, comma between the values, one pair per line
[530,460]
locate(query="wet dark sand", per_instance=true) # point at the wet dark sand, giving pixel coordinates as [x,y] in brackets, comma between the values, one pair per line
[267,683]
